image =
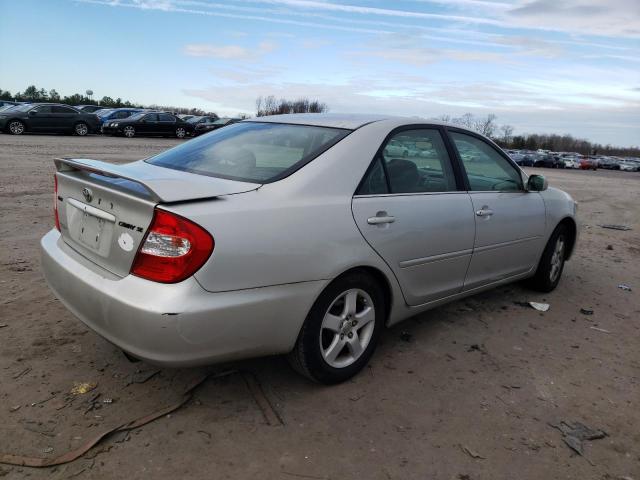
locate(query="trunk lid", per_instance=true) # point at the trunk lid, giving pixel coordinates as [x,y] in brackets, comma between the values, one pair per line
[105,209]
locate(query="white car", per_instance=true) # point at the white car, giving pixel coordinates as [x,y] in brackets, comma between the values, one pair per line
[628,167]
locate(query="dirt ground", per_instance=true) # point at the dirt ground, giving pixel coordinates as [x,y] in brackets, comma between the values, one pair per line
[466,391]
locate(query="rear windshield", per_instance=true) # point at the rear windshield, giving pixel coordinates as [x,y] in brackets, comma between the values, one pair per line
[251,151]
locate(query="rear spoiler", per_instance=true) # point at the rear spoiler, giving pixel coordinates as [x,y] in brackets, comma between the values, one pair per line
[163,185]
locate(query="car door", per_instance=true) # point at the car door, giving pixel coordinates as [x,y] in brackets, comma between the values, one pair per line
[40,118]
[166,124]
[510,221]
[148,124]
[63,118]
[412,209]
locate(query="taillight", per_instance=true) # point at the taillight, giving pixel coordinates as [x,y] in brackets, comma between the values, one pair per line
[55,201]
[173,249]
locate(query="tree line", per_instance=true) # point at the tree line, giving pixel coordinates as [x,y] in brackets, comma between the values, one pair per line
[503,136]
[41,95]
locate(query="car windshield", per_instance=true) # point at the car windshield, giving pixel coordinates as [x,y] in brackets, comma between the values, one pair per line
[24,108]
[251,151]
[137,116]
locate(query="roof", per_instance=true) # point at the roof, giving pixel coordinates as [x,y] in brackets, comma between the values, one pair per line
[349,121]
[335,120]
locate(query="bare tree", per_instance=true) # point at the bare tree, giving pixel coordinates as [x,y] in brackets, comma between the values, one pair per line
[270,106]
[486,126]
[507,133]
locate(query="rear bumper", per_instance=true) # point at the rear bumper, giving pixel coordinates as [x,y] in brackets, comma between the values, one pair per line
[181,324]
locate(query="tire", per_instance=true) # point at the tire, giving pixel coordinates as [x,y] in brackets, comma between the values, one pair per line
[341,330]
[16,127]
[181,132]
[551,264]
[81,129]
[129,131]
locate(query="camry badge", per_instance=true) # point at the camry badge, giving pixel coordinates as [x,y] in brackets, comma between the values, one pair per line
[87,194]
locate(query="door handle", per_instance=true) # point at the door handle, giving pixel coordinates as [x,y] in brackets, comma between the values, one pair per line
[484,212]
[381,218]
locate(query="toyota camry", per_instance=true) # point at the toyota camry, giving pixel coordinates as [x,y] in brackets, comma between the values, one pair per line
[303,235]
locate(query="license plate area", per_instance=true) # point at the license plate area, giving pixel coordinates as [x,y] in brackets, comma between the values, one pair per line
[90,227]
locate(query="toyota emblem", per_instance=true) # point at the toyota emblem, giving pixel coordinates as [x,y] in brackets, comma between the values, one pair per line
[87,194]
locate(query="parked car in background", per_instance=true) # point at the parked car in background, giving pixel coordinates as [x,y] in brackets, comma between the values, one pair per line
[88,108]
[609,163]
[9,103]
[209,124]
[116,113]
[588,164]
[157,124]
[628,166]
[571,162]
[548,161]
[199,254]
[47,118]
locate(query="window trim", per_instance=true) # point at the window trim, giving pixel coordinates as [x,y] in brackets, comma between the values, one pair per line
[496,148]
[458,175]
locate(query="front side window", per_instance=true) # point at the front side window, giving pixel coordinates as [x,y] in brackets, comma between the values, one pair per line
[152,117]
[251,151]
[58,109]
[486,169]
[43,109]
[165,117]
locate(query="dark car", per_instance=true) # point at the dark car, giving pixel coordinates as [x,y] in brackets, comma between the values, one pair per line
[548,161]
[213,124]
[88,108]
[4,103]
[47,118]
[159,124]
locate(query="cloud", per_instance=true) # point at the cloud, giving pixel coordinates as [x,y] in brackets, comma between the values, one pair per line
[615,18]
[228,52]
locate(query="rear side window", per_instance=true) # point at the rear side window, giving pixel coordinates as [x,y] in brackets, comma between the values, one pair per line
[251,151]
[58,109]
[414,161]
[165,117]
[486,168]
[152,117]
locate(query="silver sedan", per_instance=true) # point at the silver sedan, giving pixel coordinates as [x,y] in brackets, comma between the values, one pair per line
[296,234]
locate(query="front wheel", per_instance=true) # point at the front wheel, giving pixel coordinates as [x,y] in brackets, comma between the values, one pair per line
[552,262]
[181,132]
[81,129]
[129,131]
[16,127]
[340,332]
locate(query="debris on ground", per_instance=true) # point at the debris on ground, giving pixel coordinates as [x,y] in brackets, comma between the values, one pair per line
[20,460]
[270,414]
[574,435]
[406,336]
[586,311]
[541,307]
[475,347]
[80,388]
[142,376]
[471,453]
[609,247]
[22,373]
[47,450]
[600,329]
[15,408]
[2,325]
[625,287]
[616,227]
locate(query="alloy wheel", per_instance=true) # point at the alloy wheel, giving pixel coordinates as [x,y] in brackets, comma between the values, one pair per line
[129,131]
[557,259]
[181,132]
[16,128]
[82,129]
[347,328]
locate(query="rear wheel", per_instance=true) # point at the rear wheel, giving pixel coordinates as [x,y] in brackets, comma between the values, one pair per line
[341,330]
[551,264]
[181,132]
[16,127]
[129,131]
[81,129]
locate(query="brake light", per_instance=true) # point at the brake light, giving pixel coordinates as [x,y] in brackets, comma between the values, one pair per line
[55,201]
[173,249]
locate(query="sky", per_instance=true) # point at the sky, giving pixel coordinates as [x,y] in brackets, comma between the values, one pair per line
[542,66]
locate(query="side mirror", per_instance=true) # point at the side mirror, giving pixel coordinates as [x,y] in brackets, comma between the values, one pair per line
[537,183]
